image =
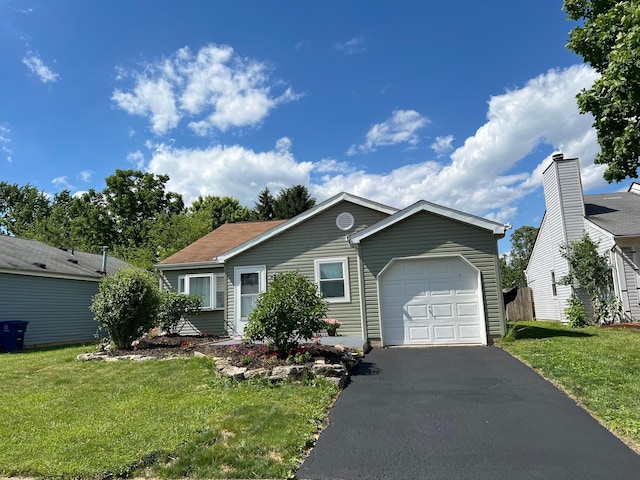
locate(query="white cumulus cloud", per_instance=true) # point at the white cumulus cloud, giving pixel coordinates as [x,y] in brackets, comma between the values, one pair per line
[35,64]
[5,140]
[482,176]
[488,175]
[442,145]
[62,183]
[401,127]
[228,170]
[86,175]
[214,89]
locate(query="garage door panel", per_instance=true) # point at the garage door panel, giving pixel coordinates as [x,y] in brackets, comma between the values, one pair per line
[469,331]
[467,309]
[444,333]
[416,289]
[442,310]
[431,301]
[440,287]
[419,334]
[417,311]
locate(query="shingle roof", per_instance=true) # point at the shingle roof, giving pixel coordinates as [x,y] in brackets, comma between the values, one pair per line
[220,240]
[617,213]
[21,255]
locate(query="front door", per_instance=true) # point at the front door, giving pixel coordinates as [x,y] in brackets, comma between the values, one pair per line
[249,283]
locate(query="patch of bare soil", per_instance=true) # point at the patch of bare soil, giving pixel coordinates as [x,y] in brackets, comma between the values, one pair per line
[631,325]
[241,355]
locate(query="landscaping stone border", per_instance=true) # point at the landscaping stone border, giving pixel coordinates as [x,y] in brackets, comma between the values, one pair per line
[338,373]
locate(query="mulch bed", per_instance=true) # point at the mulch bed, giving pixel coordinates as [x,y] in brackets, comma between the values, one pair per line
[631,325]
[241,355]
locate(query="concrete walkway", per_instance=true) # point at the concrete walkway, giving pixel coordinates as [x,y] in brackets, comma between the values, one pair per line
[461,413]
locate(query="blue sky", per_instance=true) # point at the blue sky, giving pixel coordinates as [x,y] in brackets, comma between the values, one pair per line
[393,101]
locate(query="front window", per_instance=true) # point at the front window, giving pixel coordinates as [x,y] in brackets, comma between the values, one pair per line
[209,287]
[332,277]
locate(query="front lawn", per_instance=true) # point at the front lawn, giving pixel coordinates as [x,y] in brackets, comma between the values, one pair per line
[68,419]
[599,367]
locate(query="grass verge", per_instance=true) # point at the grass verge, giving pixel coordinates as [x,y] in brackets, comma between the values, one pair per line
[67,419]
[598,367]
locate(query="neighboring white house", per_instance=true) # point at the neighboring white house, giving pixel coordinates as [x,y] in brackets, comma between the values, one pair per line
[612,220]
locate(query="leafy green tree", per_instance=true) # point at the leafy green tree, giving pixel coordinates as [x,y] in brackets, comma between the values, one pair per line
[216,211]
[289,311]
[175,306]
[21,209]
[292,201]
[512,269]
[608,38]
[126,305]
[264,206]
[134,200]
[590,271]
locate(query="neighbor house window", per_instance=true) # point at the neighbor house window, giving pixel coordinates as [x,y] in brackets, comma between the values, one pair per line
[209,286]
[554,289]
[332,277]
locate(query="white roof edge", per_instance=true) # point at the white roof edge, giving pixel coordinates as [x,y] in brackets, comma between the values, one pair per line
[179,266]
[422,205]
[65,276]
[321,207]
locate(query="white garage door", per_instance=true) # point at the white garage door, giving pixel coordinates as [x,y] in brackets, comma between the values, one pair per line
[431,301]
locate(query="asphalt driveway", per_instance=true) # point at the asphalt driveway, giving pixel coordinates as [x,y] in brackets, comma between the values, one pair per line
[461,413]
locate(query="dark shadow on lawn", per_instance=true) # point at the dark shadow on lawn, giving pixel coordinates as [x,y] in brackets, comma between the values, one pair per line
[521,332]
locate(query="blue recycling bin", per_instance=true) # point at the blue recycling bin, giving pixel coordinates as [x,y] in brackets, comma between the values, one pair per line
[12,334]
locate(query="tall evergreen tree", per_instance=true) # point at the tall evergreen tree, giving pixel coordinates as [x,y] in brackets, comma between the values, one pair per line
[264,205]
[292,201]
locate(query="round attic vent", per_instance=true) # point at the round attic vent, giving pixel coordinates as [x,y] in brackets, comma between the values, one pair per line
[345,221]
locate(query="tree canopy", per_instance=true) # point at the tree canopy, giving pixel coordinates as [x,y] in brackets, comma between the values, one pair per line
[608,38]
[135,215]
[512,268]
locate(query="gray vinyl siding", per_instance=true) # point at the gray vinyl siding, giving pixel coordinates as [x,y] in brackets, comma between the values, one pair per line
[297,248]
[208,321]
[630,257]
[425,234]
[57,309]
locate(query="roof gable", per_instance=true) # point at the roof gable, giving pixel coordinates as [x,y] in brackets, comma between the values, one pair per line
[321,207]
[226,237]
[20,255]
[424,206]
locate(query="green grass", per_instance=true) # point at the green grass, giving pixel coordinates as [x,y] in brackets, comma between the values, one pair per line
[599,367]
[66,419]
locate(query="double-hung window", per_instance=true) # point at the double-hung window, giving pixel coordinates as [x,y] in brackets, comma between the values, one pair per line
[210,287]
[332,277]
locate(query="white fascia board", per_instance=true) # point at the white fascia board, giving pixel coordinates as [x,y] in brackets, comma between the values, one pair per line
[321,207]
[495,227]
[182,266]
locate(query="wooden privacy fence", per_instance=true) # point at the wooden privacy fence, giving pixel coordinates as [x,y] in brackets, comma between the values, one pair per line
[518,304]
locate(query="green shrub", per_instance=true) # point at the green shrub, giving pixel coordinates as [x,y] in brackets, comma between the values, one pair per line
[174,306]
[289,311]
[126,305]
[576,313]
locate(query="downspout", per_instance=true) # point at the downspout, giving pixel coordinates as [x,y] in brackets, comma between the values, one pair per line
[361,293]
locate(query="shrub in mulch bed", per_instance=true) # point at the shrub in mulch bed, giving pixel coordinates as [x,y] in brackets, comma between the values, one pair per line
[240,355]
